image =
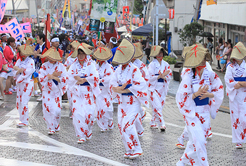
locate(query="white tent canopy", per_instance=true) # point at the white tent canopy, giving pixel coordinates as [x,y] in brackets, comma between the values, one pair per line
[123,28]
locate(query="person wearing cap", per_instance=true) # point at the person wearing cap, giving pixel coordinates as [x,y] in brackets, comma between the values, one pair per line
[160,76]
[113,46]
[199,96]
[53,78]
[185,135]
[23,71]
[83,84]
[235,78]
[130,88]
[104,100]
[55,44]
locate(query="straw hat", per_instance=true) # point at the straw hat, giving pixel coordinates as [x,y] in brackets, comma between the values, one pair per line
[124,53]
[155,50]
[29,40]
[187,49]
[102,53]
[139,50]
[26,50]
[195,56]
[74,44]
[53,54]
[238,52]
[83,46]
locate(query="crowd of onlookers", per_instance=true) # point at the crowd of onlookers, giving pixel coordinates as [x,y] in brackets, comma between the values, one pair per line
[223,54]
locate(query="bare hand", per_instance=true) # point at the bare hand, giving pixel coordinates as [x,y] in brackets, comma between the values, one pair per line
[57,74]
[68,67]
[81,81]
[76,77]
[50,76]
[20,70]
[202,90]
[205,95]
[237,86]
[16,68]
[117,89]
[166,73]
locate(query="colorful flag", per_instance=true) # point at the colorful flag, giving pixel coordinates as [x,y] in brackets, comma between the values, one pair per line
[64,8]
[68,8]
[211,2]
[47,32]
[15,29]
[2,10]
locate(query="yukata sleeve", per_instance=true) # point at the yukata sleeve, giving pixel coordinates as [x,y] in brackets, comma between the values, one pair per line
[230,83]
[93,79]
[218,91]
[184,99]
[114,83]
[107,76]
[62,85]
[42,74]
[168,77]
[139,87]
[153,78]
[71,82]
[27,73]
[66,63]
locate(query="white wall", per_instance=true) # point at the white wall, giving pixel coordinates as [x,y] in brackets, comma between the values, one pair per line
[184,12]
[226,11]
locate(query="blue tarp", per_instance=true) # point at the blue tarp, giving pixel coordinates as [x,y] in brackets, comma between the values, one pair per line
[146,30]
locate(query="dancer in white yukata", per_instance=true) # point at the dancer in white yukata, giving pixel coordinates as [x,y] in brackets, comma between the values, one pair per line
[130,88]
[104,100]
[185,136]
[83,83]
[23,71]
[143,69]
[160,76]
[73,57]
[53,78]
[235,79]
[200,95]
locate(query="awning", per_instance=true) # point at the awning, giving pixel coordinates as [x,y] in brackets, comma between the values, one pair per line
[19,5]
[146,30]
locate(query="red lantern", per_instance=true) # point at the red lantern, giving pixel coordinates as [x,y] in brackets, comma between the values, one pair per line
[142,20]
[138,19]
[27,19]
[23,19]
[30,20]
[171,13]
[133,20]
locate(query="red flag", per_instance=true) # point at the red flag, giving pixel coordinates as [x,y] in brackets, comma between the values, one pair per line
[47,31]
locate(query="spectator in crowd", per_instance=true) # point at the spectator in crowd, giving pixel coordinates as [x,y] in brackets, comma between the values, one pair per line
[113,46]
[4,40]
[210,45]
[219,51]
[226,55]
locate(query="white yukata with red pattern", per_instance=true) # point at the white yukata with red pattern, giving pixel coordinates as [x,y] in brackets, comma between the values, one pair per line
[158,90]
[83,97]
[129,105]
[52,93]
[237,101]
[197,118]
[104,100]
[69,62]
[24,85]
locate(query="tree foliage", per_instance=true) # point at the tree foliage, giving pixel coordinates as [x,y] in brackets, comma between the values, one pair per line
[190,31]
[138,7]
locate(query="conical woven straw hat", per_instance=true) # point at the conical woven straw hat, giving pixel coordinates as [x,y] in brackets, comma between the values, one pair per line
[155,50]
[195,56]
[53,54]
[26,50]
[102,53]
[30,40]
[187,49]
[124,53]
[238,52]
[139,50]
[83,46]
[74,44]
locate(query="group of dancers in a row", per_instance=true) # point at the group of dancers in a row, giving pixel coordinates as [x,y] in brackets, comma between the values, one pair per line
[92,84]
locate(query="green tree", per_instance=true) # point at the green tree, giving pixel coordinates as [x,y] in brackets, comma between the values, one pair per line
[138,7]
[190,31]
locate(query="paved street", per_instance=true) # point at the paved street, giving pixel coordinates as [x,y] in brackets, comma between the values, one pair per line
[32,146]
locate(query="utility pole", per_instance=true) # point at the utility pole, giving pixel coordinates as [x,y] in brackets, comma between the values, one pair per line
[13,4]
[196,10]
[157,21]
[131,17]
[37,15]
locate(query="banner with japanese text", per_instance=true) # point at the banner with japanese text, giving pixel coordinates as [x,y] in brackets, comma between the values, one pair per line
[3,4]
[15,29]
[26,28]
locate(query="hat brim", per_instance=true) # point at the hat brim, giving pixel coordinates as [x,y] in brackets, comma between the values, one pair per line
[121,60]
[102,57]
[193,63]
[155,53]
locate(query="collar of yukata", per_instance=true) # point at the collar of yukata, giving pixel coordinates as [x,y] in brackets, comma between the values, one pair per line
[199,69]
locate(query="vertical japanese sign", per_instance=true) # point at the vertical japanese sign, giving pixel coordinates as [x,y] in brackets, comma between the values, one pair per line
[3,7]
[15,29]
[26,27]
[125,12]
